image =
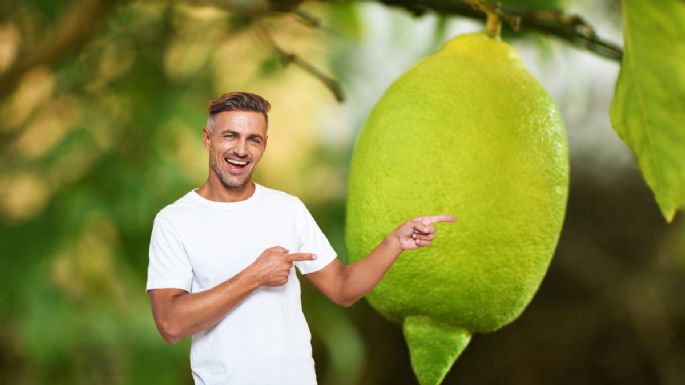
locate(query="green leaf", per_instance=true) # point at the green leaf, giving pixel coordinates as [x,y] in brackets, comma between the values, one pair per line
[648,109]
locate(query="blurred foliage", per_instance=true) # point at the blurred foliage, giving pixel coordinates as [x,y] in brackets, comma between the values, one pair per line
[93,146]
[102,129]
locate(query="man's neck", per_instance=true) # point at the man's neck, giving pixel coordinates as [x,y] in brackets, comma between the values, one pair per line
[218,192]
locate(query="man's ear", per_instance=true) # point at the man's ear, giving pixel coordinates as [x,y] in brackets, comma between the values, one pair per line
[206,138]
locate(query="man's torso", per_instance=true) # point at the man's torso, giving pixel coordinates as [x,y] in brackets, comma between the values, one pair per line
[264,339]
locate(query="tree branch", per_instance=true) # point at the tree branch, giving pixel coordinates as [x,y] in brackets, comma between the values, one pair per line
[572,28]
[287,58]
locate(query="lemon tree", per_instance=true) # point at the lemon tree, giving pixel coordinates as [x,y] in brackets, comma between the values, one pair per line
[466,132]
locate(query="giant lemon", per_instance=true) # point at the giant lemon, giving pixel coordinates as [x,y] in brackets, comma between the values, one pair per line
[466,132]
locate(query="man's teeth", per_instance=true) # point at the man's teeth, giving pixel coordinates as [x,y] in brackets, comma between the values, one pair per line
[236,162]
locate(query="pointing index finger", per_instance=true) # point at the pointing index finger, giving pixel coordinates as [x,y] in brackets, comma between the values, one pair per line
[301,257]
[437,218]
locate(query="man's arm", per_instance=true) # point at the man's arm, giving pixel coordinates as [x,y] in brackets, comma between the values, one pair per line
[344,285]
[179,314]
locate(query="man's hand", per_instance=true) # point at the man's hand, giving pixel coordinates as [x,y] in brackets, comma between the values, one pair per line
[344,285]
[418,232]
[272,267]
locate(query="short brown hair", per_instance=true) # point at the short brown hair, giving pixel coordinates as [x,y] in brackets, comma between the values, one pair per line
[238,101]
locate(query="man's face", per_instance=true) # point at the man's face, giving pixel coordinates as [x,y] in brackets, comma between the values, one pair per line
[235,146]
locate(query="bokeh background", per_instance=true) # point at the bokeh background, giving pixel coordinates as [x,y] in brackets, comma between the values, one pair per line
[102,105]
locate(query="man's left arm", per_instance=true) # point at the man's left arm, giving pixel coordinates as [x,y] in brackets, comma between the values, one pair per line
[344,285]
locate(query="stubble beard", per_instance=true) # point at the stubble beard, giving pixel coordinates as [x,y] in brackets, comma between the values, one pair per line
[230,181]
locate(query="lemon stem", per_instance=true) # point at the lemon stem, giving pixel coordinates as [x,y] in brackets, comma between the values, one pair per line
[493,25]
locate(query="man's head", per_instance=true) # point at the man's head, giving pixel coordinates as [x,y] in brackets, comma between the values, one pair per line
[236,136]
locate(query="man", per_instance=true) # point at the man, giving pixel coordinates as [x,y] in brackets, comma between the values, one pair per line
[222,257]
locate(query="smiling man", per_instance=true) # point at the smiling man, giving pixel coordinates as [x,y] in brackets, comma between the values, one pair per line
[223,257]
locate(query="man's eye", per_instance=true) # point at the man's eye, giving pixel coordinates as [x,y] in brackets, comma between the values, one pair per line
[256,140]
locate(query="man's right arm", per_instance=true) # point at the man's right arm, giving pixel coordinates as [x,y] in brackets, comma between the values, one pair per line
[179,314]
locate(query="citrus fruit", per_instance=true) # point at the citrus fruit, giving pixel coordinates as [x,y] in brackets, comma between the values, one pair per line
[468,132]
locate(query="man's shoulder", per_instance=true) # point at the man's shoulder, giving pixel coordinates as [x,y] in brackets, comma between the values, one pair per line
[176,208]
[280,196]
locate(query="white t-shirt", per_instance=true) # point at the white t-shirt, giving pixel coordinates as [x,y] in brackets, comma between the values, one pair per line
[197,244]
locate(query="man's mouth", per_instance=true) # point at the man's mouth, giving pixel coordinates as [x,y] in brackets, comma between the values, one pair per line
[236,165]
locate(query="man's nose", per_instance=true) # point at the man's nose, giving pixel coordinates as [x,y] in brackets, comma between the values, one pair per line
[240,148]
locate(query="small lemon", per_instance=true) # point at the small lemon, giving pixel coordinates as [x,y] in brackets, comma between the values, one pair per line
[469,132]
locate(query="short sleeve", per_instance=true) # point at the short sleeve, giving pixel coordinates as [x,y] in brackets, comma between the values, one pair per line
[169,266]
[312,240]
